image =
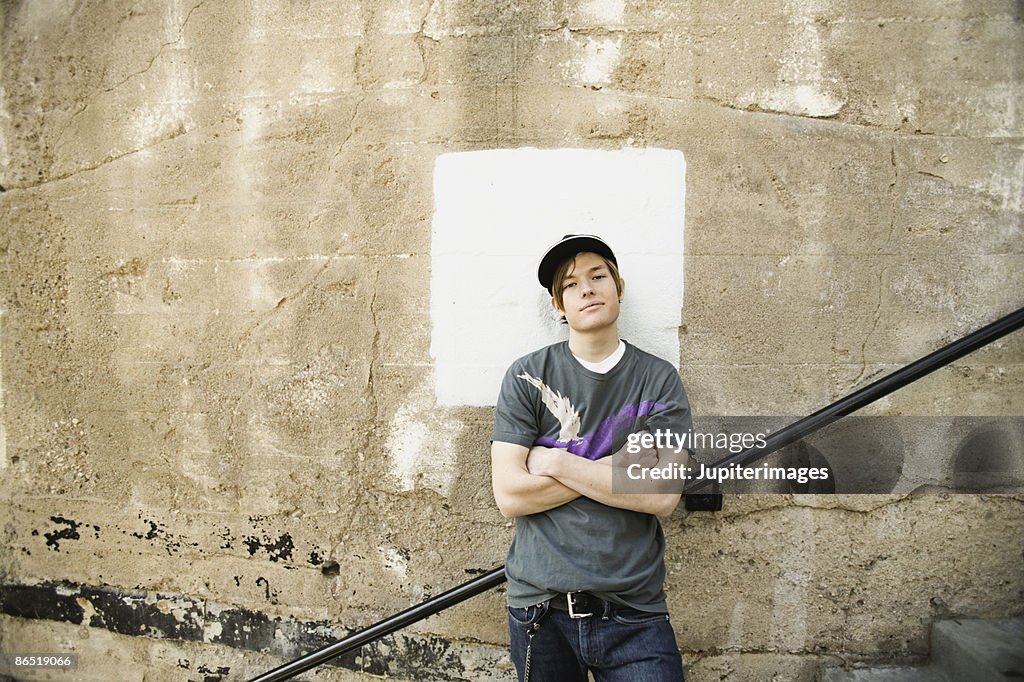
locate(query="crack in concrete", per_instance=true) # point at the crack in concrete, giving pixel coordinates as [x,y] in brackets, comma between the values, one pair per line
[160,50]
[420,38]
[310,223]
[352,129]
[891,500]
[374,349]
[246,337]
[87,100]
[422,32]
[361,491]
[874,327]
[326,178]
[174,134]
[755,108]
[893,199]
[833,119]
[724,516]
[893,205]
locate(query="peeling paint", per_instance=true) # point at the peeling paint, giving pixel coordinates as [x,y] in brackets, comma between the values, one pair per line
[800,87]
[421,445]
[598,61]
[604,13]
[153,532]
[396,560]
[1006,190]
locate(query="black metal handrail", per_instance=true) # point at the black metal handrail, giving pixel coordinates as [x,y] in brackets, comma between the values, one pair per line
[777,440]
[454,596]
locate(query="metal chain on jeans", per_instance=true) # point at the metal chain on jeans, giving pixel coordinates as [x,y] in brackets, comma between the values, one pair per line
[529,651]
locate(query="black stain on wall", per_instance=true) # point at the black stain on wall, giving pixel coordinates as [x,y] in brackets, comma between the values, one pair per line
[146,615]
[40,602]
[157,534]
[415,658]
[278,550]
[183,618]
[68,532]
[210,675]
[154,530]
[246,629]
[226,536]
[271,595]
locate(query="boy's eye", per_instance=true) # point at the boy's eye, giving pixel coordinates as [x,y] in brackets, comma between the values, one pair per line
[567,285]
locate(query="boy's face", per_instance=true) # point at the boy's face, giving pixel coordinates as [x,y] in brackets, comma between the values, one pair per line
[589,294]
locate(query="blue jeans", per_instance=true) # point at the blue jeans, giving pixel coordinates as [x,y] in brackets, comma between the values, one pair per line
[624,646]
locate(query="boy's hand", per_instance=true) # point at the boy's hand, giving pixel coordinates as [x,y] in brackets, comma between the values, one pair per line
[647,458]
[543,461]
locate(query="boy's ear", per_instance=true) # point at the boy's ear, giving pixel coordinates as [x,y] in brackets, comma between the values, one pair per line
[622,288]
[561,313]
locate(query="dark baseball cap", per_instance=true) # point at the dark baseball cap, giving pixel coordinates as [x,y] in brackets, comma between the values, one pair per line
[567,247]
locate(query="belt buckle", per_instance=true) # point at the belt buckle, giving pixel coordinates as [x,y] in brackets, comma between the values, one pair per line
[570,599]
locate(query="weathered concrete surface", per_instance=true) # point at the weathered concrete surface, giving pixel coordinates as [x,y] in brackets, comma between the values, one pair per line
[105,656]
[166,616]
[215,314]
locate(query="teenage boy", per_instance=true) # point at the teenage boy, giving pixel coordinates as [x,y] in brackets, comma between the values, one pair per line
[586,566]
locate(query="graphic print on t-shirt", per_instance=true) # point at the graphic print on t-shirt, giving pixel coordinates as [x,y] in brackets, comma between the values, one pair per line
[596,444]
[560,406]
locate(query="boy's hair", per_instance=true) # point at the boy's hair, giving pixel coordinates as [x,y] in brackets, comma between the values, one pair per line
[562,273]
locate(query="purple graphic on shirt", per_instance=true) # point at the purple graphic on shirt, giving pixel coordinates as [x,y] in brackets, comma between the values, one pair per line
[599,443]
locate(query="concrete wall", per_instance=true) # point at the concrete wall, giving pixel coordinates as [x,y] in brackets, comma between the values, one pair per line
[216,325]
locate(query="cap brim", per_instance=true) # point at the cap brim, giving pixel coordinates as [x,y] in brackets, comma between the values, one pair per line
[566,249]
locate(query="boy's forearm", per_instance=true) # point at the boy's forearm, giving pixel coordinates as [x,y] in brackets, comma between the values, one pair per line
[519,492]
[595,479]
[530,494]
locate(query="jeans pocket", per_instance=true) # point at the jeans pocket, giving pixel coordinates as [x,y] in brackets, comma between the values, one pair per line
[529,616]
[636,617]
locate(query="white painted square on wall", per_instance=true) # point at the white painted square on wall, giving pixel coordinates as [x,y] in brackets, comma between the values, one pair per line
[497,211]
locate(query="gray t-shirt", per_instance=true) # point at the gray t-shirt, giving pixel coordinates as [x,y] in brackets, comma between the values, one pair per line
[548,398]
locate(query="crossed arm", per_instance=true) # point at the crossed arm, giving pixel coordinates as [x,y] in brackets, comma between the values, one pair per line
[527,481]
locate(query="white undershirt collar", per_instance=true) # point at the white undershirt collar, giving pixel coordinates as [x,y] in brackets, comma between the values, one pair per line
[606,365]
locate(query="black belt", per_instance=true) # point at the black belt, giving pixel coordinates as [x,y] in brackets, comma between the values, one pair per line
[582,604]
